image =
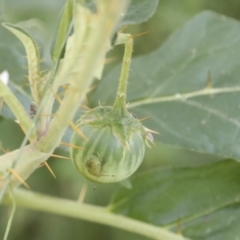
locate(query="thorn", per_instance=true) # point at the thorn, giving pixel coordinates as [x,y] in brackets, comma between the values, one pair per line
[70,145]
[91,88]
[84,111]
[20,179]
[123,28]
[127,105]
[85,107]
[57,97]
[147,143]
[82,192]
[110,60]
[149,130]
[65,86]
[142,119]
[41,165]
[49,169]
[99,103]
[59,156]
[25,83]
[44,72]
[209,81]
[140,34]
[150,136]
[154,143]
[75,128]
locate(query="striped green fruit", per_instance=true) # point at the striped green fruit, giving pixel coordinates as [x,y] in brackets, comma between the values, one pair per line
[113,147]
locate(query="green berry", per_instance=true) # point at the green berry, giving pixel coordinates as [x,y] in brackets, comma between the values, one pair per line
[114,146]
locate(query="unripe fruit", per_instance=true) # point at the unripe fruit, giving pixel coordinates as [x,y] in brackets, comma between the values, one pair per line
[114,147]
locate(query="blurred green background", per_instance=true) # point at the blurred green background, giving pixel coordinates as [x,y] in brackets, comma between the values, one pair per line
[40,17]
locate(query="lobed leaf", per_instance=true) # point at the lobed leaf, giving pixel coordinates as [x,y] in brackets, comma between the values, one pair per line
[172,85]
[32,57]
[11,58]
[202,203]
[62,31]
[13,61]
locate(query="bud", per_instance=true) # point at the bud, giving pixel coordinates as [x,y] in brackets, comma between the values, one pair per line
[114,146]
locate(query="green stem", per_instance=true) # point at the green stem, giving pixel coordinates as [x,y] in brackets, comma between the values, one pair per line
[34,154]
[97,37]
[40,202]
[10,220]
[120,102]
[21,115]
[29,160]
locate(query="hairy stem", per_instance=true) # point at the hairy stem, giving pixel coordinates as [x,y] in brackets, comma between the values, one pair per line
[29,160]
[21,115]
[120,102]
[88,212]
[98,37]
[34,154]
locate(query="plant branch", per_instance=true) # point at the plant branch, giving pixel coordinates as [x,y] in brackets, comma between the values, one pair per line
[23,118]
[29,160]
[120,101]
[99,37]
[40,202]
[108,15]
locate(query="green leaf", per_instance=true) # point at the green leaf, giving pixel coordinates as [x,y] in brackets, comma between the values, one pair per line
[32,57]
[62,30]
[23,98]
[139,11]
[203,202]
[38,18]
[9,129]
[12,59]
[12,56]
[170,86]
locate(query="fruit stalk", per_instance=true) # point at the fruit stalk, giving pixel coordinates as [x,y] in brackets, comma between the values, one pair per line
[120,102]
[116,139]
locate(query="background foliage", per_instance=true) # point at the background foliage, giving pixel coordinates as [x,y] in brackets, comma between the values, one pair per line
[40,18]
